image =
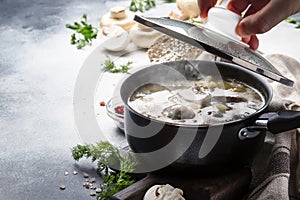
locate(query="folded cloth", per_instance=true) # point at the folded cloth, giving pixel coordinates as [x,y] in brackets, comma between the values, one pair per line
[276,168]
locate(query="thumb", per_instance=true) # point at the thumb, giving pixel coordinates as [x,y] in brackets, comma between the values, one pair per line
[254,24]
[262,20]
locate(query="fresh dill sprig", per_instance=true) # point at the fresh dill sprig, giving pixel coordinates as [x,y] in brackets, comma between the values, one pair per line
[106,155]
[110,66]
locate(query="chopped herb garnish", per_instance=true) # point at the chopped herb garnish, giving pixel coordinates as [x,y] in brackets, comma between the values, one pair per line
[293,21]
[106,156]
[196,21]
[141,5]
[84,33]
[110,66]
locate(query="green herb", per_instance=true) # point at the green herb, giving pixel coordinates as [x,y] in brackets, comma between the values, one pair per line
[141,5]
[169,1]
[84,33]
[107,155]
[110,66]
[293,21]
[193,21]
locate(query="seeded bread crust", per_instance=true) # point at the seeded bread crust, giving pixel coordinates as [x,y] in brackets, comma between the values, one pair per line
[166,49]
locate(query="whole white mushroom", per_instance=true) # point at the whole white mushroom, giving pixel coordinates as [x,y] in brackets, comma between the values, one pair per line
[117,16]
[188,8]
[117,39]
[164,192]
[143,36]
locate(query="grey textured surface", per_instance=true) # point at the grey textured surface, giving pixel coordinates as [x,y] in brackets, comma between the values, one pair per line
[38,69]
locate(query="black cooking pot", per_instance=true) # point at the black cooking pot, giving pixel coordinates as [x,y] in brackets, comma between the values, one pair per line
[160,144]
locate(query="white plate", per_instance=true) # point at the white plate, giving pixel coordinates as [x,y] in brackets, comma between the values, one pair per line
[93,86]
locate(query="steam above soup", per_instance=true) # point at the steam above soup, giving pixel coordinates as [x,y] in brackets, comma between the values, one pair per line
[204,101]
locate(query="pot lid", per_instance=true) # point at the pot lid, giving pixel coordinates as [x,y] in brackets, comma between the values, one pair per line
[217,44]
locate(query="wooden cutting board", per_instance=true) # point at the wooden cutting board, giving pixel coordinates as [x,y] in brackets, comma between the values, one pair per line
[232,184]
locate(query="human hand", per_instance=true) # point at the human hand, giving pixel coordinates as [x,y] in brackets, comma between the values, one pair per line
[260,16]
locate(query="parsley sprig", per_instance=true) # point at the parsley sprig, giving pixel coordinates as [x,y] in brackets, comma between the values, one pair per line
[84,33]
[110,66]
[141,5]
[106,156]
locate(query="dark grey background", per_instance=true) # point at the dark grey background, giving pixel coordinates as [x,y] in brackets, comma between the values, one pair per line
[38,69]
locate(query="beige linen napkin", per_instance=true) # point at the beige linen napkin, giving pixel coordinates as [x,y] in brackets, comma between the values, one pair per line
[276,169]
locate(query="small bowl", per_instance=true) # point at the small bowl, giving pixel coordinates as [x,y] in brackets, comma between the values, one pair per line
[115,110]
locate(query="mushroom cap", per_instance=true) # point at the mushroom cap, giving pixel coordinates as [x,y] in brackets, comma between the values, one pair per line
[188,8]
[143,36]
[117,39]
[164,192]
[118,16]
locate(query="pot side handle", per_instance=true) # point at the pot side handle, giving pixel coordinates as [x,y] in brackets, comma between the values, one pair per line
[283,120]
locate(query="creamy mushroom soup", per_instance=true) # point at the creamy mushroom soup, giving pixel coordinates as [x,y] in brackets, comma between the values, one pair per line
[196,102]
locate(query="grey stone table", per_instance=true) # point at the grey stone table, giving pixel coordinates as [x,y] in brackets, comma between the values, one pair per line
[38,70]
